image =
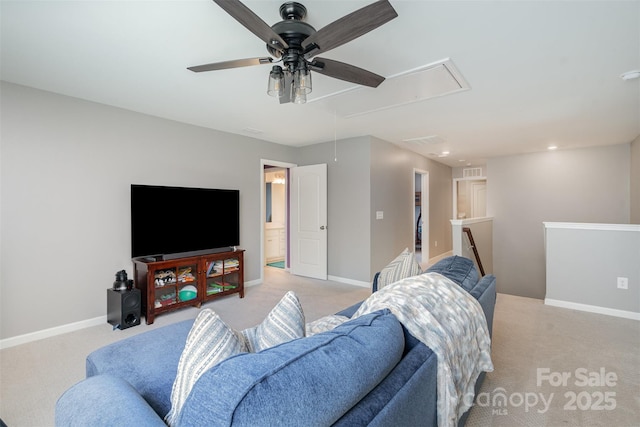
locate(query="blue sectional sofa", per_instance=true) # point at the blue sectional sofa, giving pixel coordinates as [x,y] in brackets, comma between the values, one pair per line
[367,371]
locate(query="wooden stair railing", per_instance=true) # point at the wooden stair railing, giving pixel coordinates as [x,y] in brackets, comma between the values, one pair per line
[475,250]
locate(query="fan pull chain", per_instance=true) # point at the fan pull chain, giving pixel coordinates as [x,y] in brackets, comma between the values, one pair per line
[335,141]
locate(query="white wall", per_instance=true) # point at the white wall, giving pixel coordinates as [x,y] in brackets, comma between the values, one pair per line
[66,170]
[585,185]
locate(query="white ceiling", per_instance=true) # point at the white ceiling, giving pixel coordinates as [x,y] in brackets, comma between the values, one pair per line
[540,72]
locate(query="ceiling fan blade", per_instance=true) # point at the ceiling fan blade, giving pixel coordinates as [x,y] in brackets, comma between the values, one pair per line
[349,27]
[230,64]
[342,71]
[252,22]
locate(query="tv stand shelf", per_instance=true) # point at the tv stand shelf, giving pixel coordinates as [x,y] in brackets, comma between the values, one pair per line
[168,285]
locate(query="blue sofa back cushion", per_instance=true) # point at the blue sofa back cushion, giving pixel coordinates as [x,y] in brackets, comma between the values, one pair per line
[310,381]
[414,373]
[459,269]
[135,359]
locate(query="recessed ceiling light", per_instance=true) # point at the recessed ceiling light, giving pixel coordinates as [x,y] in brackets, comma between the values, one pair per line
[552,147]
[443,154]
[630,75]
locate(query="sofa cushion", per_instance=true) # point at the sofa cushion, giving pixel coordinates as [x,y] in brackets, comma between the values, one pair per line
[310,381]
[403,266]
[211,341]
[459,269]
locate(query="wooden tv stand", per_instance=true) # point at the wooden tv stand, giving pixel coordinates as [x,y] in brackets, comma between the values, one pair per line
[166,285]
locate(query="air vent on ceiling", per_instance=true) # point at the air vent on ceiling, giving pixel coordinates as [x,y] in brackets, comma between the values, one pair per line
[419,84]
[425,140]
[471,172]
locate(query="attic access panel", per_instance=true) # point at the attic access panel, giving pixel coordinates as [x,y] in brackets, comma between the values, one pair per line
[419,84]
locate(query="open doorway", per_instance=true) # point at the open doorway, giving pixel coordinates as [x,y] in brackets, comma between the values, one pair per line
[469,198]
[275,233]
[274,214]
[420,208]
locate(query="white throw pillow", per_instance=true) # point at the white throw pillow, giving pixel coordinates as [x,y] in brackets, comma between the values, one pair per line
[210,341]
[403,266]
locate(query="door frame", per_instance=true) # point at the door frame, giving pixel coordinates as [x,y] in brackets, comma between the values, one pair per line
[424,207]
[455,191]
[263,210]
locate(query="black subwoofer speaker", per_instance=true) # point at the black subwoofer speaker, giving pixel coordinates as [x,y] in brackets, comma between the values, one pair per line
[123,308]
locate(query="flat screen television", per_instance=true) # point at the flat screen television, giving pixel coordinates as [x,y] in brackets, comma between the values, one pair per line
[179,221]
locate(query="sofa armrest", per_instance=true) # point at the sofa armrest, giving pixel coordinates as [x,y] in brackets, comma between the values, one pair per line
[374,285]
[485,293]
[104,400]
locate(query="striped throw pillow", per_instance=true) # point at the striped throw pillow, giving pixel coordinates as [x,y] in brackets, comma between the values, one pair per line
[211,341]
[405,265]
[284,323]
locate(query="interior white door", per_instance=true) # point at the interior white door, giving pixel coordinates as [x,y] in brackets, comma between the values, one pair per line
[308,202]
[478,199]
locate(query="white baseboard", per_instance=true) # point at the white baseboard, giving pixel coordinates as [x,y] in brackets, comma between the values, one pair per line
[593,309]
[51,332]
[253,282]
[439,257]
[350,281]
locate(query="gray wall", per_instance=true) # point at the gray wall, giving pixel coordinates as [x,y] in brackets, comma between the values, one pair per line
[392,176]
[374,175]
[66,171]
[585,185]
[583,264]
[348,188]
[635,181]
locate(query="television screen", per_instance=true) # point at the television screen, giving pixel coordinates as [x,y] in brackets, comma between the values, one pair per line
[176,220]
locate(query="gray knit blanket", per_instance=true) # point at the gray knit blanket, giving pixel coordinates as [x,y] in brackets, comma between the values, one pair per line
[449,321]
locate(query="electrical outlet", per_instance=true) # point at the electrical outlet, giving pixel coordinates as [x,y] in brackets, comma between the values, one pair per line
[435,243]
[623,283]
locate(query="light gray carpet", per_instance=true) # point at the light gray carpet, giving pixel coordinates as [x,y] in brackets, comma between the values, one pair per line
[527,335]
[535,343]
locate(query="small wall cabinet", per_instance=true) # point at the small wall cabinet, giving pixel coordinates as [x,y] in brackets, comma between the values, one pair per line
[183,282]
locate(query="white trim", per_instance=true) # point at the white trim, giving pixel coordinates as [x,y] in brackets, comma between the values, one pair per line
[589,226]
[349,281]
[593,309]
[71,327]
[439,257]
[253,283]
[471,220]
[51,332]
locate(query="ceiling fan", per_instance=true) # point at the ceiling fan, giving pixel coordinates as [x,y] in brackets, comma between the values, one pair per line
[295,43]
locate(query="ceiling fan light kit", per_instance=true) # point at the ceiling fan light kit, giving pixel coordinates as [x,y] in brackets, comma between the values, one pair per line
[295,43]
